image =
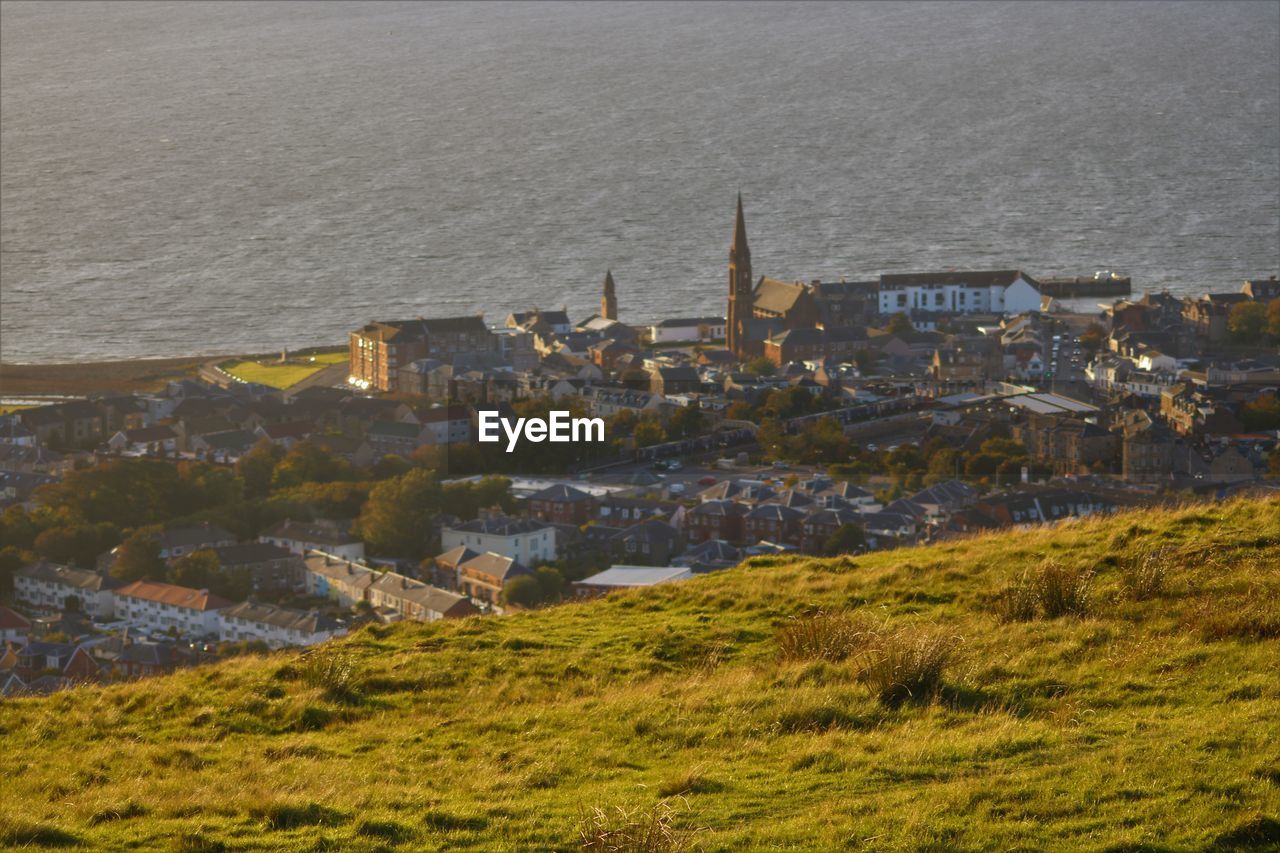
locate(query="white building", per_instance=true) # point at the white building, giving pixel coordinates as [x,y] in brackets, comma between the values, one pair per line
[160,606]
[49,585]
[275,626]
[332,577]
[977,292]
[524,540]
[687,329]
[326,536]
[630,577]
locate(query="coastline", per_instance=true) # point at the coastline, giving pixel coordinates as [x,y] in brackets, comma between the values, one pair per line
[87,377]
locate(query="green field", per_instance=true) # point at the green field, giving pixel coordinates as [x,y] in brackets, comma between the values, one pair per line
[282,375]
[1105,685]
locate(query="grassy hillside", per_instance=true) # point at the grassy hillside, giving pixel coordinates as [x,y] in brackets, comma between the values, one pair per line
[1105,685]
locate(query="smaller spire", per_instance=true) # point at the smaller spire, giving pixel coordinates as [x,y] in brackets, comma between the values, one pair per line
[739,245]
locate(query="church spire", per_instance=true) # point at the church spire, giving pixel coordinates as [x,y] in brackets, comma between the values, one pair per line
[609,301]
[739,246]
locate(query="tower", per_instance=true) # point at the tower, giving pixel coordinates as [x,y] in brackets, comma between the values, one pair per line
[609,302]
[740,301]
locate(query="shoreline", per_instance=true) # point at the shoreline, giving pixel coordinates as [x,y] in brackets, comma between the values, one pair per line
[87,377]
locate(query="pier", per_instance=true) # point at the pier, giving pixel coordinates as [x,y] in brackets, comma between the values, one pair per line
[1086,285]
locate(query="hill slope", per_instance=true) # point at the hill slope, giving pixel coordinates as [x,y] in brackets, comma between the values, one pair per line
[1148,722]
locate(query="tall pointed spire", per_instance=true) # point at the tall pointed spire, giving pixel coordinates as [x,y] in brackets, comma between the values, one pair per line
[739,246]
[609,301]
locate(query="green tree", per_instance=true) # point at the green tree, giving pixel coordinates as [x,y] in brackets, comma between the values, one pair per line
[138,557]
[1261,413]
[523,591]
[1247,321]
[686,422]
[649,432]
[398,517]
[760,367]
[864,360]
[11,560]
[900,324]
[308,462]
[257,466]
[1273,319]
[77,543]
[848,539]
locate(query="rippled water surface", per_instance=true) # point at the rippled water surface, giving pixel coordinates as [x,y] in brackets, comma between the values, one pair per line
[179,178]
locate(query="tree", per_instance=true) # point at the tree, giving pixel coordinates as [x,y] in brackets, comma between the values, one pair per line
[649,432]
[523,591]
[308,462]
[399,514]
[1247,321]
[198,570]
[848,539]
[686,422]
[943,465]
[256,467]
[11,560]
[1261,413]
[77,543]
[864,360]
[1273,319]
[138,557]
[900,324]
[761,366]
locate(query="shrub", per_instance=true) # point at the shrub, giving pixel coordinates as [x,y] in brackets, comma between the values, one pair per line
[824,636]
[907,665]
[1145,576]
[335,673]
[642,830]
[288,816]
[1051,591]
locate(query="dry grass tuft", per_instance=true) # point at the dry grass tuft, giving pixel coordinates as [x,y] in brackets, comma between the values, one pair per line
[1051,591]
[635,830]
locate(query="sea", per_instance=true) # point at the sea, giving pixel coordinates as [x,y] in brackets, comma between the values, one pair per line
[189,178]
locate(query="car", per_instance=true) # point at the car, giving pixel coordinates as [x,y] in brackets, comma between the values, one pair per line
[781,466]
[675,465]
[676,488]
[707,481]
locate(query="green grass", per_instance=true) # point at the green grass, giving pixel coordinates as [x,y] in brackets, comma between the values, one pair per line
[759,707]
[277,375]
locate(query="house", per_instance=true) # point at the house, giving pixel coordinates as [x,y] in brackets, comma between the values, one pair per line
[556,321]
[343,581]
[179,541]
[415,600]
[50,586]
[628,577]
[379,349]
[958,292]
[687,329]
[810,344]
[329,537]
[562,504]
[161,607]
[821,524]
[269,567]
[275,626]
[286,434]
[70,661]
[774,523]
[653,542]
[444,425]
[485,576]
[524,540]
[14,627]
[145,659]
[445,566]
[709,556]
[224,446]
[394,438]
[674,380]
[715,519]
[77,422]
[153,441]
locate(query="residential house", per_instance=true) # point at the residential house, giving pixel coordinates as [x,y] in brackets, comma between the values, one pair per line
[524,540]
[161,606]
[684,329]
[70,661]
[14,627]
[418,601]
[653,542]
[715,519]
[628,577]
[270,567]
[341,580]
[329,537]
[485,576]
[275,626]
[158,440]
[562,504]
[51,586]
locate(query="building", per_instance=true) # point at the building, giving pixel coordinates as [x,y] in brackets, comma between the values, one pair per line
[14,627]
[485,576]
[653,542]
[343,581]
[609,301]
[811,344]
[974,292]
[684,329]
[380,349]
[524,540]
[180,541]
[741,298]
[275,626]
[418,601]
[629,577]
[329,537]
[561,504]
[50,586]
[269,567]
[162,606]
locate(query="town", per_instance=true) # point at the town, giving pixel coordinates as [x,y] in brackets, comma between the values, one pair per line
[225,515]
